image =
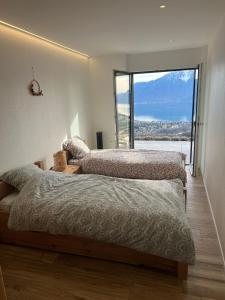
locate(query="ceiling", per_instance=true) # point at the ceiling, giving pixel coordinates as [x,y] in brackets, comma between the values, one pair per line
[100,27]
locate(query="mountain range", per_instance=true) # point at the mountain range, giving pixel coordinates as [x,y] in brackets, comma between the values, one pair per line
[168,98]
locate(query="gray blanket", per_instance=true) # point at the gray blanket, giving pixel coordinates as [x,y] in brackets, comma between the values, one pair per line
[140,164]
[145,215]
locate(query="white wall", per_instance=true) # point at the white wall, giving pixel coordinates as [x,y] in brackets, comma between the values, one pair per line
[166,60]
[33,128]
[214,171]
[102,95]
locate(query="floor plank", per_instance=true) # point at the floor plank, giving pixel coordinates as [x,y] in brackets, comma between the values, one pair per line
[41,275]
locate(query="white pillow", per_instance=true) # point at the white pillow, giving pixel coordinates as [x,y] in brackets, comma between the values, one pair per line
[19,177]
[77,147]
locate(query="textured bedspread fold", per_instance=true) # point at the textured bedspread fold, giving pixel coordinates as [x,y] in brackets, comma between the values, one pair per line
[145,215]
[140,164]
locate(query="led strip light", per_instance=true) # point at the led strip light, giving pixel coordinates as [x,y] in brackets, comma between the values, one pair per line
[43,39]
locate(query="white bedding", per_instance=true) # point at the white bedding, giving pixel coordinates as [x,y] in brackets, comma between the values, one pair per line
[6,202]
[136,164]
[145,215]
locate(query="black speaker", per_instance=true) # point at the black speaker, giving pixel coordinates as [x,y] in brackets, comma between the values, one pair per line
[99,140]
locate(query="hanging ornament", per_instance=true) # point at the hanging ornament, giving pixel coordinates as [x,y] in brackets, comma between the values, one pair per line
[34,86]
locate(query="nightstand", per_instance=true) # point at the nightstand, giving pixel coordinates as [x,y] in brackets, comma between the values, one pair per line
[70,169]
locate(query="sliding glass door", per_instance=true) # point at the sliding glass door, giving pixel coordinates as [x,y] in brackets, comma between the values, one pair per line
[163,103]
[123,99]
[158,111]
[195,117]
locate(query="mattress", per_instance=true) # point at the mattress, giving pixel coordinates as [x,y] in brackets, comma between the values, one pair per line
[6,202]
[134,164]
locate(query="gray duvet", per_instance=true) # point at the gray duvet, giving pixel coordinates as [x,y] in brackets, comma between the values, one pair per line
[139,164]
[145,215]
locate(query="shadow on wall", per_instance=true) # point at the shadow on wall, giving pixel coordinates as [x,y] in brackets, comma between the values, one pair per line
[68,132]
[77,110]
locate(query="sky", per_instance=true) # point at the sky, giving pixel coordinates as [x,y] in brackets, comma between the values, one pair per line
[123,81]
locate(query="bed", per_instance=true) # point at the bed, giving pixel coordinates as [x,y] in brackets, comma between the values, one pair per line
[117,219]
[136,164]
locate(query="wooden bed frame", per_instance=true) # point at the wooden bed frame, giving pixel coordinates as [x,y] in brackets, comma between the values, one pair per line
[83,246]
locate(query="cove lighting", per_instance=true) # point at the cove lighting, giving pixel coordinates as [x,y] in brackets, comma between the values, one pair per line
[43,39]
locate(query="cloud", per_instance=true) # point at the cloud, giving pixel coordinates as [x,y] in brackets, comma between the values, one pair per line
[146,77]
[186,75]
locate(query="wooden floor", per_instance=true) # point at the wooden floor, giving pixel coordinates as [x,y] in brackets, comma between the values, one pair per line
[31,274]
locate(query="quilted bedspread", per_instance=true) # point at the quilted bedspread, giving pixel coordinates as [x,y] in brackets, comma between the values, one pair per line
[145,215]
[140,164]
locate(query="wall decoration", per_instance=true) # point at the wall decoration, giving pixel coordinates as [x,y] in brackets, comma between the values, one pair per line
[34,86]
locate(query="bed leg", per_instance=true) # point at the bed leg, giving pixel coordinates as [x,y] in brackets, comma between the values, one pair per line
[182,271]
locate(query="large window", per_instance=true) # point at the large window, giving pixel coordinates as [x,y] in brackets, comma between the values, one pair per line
[157,110]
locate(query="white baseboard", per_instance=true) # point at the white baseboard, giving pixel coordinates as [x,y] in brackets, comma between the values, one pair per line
[214,221]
